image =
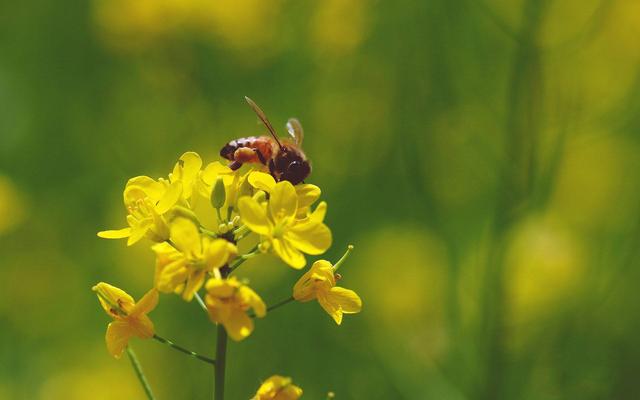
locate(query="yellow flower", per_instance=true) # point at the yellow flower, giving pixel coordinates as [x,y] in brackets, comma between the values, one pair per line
[146,201]
[130,318]
[228,301]
[279,228]
[278,388]
[306,192]
[183,268]
[320,283]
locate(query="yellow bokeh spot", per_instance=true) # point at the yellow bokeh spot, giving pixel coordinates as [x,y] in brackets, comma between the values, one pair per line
[594,188]
[236,24]
[401,274]
[12,210]
[338,26]
[98,382]
[544,266]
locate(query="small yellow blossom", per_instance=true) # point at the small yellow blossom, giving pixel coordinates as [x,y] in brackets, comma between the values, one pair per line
[320,283]
[183,268]
[146,201]
[130,318]
[279,228]
[228,301]
[278,388]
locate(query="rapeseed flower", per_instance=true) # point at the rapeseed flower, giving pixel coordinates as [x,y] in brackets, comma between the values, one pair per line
[320,283]
[130,318]
[278,388]
[146,201]
[279,228]
[228,301]
[183,266]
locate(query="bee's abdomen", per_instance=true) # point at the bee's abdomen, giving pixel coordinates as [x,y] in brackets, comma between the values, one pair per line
[261,144]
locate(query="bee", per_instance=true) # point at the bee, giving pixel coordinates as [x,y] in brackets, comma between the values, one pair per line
[284,158]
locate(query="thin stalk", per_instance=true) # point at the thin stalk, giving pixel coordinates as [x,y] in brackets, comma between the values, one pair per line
[138,368]
[280,304]
[277,305]
[221,356]
[201,302]
[183,350]
[243,258]
[219,214]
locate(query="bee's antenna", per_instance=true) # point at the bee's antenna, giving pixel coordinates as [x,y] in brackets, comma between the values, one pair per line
[263,118]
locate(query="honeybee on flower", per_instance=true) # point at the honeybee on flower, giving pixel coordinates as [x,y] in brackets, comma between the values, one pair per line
[266,203]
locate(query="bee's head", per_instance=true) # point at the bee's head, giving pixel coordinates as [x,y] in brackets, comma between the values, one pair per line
[297,171]
[292,165]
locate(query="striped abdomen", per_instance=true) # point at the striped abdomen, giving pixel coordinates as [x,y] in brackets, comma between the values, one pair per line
[262,146]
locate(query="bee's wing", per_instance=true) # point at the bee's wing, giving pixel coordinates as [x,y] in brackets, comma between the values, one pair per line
[263,118]
[295,130]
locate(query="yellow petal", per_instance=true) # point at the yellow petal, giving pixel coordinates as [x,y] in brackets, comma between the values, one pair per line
[330,307]
[348,300]
[194,283]
[170,197]
[307,194]
[186,236]
[117,337]
[222,288]
[288,253]
[253,300]
[262,181]
[309,237]
[112,298]
[254,216]
[283,202]
[147,303]
[143,186]
[137,233]
[141,326]
[290,392]
[239,326]
[212,170]
[186,170]
[318,214]
[171,275]
[303,290]
[115,234]
[218,252]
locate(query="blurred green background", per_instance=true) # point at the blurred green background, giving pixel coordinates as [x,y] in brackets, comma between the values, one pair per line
[481,155]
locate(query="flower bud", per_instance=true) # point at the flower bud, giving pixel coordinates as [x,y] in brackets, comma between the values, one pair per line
[260,196]
[218,194]
[245,189]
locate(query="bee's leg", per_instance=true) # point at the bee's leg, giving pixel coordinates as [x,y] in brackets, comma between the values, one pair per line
[260,156]
[234,165]
[272,169]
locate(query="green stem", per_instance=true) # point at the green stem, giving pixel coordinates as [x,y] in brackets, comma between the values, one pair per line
[280,304]
[221,356]
[219,214]
[243,258]
[277,305]
[201,302]
[208,232]
[138,368]
[183,350]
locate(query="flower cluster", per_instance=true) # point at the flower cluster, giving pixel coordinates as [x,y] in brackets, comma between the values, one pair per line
[198,219]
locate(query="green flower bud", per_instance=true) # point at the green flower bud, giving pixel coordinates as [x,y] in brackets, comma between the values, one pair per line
[182,212]
[218,194]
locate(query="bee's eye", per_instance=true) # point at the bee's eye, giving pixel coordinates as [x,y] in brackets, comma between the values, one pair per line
[296,172]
